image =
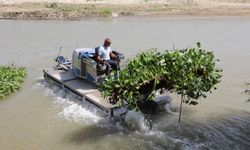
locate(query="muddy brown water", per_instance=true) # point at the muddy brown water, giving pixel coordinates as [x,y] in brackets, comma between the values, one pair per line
[39,117]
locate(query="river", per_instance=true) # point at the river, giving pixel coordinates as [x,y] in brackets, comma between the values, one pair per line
[41,118]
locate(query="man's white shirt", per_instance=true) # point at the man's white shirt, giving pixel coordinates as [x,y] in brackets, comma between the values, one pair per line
[104,52]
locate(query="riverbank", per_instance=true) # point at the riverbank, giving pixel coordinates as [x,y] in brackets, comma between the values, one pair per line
[69,9]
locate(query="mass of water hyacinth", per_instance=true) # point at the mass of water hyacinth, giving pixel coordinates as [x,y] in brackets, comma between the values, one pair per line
[11,78]
[190,72]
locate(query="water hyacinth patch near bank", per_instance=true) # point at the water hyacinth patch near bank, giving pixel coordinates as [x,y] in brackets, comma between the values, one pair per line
[190,72]
[11,78]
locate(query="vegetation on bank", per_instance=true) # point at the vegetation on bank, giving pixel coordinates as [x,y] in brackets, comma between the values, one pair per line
[60,7]
[190,72]
[11,78]
[74,10]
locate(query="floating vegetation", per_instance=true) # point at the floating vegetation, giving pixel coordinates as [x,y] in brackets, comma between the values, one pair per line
[11,78]
[191,72]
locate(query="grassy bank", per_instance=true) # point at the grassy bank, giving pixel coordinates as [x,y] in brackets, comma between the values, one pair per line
[77,11]
[11,78]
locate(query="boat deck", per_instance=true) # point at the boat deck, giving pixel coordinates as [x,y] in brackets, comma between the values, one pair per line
[81,87]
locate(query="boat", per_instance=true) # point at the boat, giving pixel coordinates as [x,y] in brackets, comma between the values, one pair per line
[82,76]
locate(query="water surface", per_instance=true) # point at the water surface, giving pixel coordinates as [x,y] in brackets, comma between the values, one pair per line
[42,118]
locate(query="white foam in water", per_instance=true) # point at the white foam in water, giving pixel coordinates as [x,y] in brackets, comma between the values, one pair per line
[76,112]
[72,108]
[136,120]
[79,112]
[40,84]
[168,108]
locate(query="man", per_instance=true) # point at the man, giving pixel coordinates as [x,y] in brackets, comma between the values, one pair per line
[106,57]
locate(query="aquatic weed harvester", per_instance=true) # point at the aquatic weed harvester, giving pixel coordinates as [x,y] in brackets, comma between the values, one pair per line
[82,76]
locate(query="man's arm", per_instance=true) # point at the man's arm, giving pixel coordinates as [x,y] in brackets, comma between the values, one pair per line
[99,59]
[113,56]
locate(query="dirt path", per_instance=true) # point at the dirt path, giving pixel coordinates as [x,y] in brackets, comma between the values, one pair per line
[76,9]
